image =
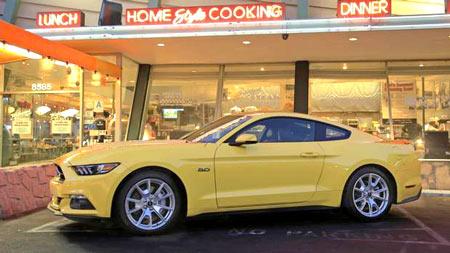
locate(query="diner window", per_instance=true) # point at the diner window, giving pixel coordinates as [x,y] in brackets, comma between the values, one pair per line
[349,93]
[420,92]
[40,110]
[181,99]
[99,114]
[129,76]
[258,87]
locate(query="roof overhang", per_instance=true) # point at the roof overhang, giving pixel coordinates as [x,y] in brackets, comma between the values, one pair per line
[17,37]
[389,38]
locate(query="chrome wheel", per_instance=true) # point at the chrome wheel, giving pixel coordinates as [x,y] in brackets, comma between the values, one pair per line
[150,204]
[371,195]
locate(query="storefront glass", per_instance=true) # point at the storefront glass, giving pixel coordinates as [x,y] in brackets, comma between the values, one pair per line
[258,87]
[349,93]
[40,110]
[181,99]
[129,76]
[99,113]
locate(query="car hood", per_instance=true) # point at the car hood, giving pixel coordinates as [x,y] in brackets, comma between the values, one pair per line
[100,151]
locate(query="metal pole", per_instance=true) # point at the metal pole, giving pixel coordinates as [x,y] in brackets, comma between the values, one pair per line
[423,104]
[118,101]
[388,88]
[219,97]
[2,79]
[82,112]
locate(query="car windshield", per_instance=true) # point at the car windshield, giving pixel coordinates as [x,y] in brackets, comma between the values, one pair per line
[216,129]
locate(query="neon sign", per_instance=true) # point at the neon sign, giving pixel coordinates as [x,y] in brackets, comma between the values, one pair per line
[60,19]
[363,8]
[208,14]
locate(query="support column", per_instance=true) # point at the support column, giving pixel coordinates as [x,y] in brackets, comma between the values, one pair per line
[10,11]
[138,108]
[302,9]
[301,89]
[219,94]
[154,4]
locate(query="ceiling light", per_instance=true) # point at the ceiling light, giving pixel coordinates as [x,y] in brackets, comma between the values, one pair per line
[161,44]
[41,110]
[262,69]
[421,65]
[194,71]
[246,42]
[353,39]
[69,113]
[344,67]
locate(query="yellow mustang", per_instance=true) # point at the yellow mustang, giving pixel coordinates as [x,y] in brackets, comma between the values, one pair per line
[240,162]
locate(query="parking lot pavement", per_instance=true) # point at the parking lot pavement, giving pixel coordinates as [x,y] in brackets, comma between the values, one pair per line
[422,226]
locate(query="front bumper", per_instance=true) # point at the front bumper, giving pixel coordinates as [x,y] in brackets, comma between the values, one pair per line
[98,190]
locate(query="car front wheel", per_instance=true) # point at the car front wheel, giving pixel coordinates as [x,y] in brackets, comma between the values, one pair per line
[369,194]
[149,203]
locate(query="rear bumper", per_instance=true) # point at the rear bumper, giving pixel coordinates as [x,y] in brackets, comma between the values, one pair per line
[414,198]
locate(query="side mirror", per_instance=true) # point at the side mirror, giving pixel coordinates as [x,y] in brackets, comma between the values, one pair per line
[245,139]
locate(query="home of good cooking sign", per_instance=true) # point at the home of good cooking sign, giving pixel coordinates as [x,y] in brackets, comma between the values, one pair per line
[205,14]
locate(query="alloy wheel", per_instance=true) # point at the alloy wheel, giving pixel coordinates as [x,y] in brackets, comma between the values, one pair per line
[371,195]
[150,204]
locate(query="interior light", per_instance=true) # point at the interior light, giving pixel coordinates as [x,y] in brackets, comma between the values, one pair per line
[194,71]
[421,65]
[96,76]
[41,110]
[262,69]
[161,44]
[20,51]
[353,39]
[95,83]
[344,67]
[246,42]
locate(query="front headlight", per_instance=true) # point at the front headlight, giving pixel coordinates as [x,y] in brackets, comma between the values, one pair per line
[94,169]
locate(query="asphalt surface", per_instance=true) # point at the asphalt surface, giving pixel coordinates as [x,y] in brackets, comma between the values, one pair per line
[421,226]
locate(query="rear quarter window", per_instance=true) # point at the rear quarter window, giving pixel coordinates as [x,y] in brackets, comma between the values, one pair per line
[326,132]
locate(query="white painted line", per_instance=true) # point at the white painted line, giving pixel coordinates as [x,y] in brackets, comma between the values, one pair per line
[37,229]
[429,230]
[57,227]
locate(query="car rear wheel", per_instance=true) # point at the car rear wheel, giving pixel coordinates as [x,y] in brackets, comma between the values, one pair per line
[149,203]
[368,194]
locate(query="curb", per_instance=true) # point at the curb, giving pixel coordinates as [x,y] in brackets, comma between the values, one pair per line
[439,193]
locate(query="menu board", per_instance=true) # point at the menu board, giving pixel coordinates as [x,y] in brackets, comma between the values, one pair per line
[22,126]
[403,100]
[61,126]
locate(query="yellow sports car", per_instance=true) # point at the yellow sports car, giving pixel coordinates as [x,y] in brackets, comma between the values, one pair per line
[239,162]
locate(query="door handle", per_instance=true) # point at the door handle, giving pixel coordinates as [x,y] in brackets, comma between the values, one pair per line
[309,154]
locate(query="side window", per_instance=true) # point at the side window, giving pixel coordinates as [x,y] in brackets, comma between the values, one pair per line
[282,129]
[331,133]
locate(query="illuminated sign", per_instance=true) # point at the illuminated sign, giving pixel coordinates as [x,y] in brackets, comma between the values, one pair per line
[41,86]
[208,14]
[363,8]
[60,19]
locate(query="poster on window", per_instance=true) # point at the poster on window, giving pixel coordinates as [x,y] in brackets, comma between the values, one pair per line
[403,100]
[22,126]
[61,126]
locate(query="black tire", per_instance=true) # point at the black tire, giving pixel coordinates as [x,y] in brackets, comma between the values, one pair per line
[120,205]
[349,194]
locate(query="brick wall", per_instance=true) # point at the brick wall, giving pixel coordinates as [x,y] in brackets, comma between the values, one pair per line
[24,189]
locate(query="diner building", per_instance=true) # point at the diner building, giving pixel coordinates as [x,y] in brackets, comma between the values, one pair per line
[380,66]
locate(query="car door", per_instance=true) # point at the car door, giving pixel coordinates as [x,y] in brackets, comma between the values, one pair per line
[283,167]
